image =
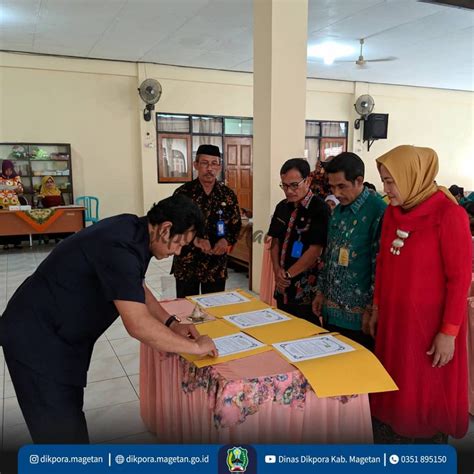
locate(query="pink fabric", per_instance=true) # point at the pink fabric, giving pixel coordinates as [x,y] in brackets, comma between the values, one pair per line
[177,417]
[208,408]
[470,351]
[267,279]
[180,307]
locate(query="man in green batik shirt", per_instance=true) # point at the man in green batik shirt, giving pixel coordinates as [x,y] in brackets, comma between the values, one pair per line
[345,285]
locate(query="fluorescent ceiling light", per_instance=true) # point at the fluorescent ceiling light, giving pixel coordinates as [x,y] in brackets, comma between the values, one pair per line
[329,51]
[6,15]
[10,14]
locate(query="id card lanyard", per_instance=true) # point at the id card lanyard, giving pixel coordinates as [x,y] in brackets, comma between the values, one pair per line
[220,225]
[291,222]
[297,248]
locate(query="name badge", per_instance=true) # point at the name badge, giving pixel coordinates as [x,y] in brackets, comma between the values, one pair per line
[297,249]
[343,257]
[220,225]
[220,228]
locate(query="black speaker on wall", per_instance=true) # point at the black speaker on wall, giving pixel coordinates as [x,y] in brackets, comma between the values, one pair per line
[375,126]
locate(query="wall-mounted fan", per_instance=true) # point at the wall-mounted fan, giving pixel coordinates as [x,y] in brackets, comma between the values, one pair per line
[362,62]
[150,93]
[364,106]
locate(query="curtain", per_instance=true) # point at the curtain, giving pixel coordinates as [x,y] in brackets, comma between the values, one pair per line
[312,148]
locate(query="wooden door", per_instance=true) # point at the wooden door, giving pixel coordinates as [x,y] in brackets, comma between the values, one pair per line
[238,168]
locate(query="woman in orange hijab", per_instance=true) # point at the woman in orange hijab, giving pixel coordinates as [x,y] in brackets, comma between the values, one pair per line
[50,194]
[422,282]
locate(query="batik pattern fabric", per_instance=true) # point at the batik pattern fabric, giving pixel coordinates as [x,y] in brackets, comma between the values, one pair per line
[221,203]
[9,197]
[234,400]
[319,182]
[349,286]
[311,228]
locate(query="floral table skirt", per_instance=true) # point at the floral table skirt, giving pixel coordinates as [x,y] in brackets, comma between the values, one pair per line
[258,399]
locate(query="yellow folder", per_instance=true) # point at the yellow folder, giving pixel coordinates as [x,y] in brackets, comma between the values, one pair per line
[219,328]
[295,328]
[216,328]
[219,360]
[350,373]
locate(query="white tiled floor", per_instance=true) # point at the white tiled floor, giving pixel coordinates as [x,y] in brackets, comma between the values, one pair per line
[111,398]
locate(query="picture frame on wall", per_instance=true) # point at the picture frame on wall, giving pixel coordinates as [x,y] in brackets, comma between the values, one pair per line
[174,158]
[330,147]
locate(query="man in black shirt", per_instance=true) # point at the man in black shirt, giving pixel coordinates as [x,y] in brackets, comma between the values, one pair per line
[299,231]
[51,323]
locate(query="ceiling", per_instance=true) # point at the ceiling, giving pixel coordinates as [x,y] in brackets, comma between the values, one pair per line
[434,44]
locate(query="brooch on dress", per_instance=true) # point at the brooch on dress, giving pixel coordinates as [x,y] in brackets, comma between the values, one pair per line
[399,242]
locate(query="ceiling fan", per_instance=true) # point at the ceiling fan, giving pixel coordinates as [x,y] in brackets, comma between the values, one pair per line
[362,62]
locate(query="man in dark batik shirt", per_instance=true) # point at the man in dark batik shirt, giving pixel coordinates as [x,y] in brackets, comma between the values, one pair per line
[203,264]
[299,231]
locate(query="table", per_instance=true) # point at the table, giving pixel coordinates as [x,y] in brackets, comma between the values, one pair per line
[60,220]
[258,399]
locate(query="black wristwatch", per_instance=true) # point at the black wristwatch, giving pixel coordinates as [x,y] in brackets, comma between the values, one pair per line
[171,319]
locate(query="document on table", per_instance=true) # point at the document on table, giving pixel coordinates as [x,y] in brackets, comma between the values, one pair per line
[236,343]
[312,348]
[219,299]
[253,319]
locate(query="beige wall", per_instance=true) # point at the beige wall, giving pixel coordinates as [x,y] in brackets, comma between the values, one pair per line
[193,91]
[90,104]
[442,120]
[94,105]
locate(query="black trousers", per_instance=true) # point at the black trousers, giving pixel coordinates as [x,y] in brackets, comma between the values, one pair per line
[52,411]
[191,287]
[303,311]
[365,340]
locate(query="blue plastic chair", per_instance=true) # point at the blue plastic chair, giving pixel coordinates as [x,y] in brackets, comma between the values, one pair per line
[91,204]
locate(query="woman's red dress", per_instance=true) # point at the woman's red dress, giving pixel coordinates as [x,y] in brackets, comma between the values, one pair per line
[421,292]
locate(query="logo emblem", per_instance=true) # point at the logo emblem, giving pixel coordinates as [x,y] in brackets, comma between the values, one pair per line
[237,459]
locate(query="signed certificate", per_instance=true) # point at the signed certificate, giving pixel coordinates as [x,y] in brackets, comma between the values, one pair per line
[312,348]
[219,299]
[256,318]
[235,343]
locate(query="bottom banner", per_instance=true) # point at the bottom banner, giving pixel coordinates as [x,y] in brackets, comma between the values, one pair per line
[249,459]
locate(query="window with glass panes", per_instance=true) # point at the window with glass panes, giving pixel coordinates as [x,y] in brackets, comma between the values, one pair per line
[200,129]
[322,138]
